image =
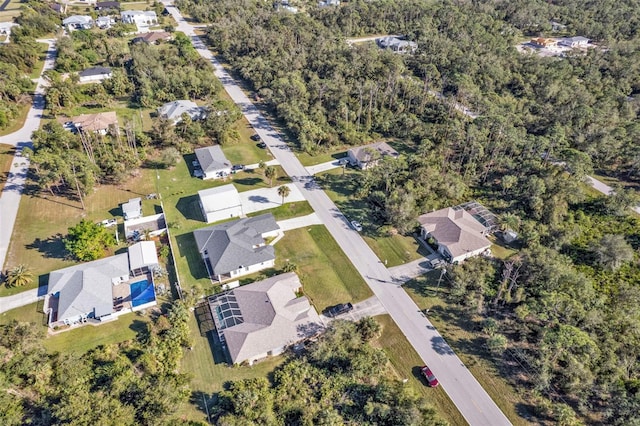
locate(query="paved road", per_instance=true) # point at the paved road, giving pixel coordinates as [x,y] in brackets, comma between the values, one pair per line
[471,399]
[21,299]
[10,197]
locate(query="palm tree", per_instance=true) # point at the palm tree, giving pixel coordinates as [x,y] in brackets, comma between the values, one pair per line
[284,192]
[270,173]
[19,276]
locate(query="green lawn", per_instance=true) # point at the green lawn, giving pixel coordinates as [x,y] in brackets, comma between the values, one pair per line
[18,122]
[406,363]
[328,276]
[29,313]
[460,332]
[396,249]
[288,210]
[322,157]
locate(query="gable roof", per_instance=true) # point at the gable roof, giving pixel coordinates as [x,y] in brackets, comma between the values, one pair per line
[395,43]
[95,71]
[237,243]
[219,198]
[95,122]
[365,154]
[134,205]
[77,20]
[142,254]
[108,5]
[267,315]
[211,159]
[132,13]
[174,110]
[152,37]
[87,287]
[459,231]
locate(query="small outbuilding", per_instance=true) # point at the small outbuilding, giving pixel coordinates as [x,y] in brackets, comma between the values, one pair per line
[220,203]
[132,209]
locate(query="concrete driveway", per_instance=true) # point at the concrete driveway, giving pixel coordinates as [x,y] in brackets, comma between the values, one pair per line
[267,198]
[17,300]
[323,167]
[367,308]
[299,222]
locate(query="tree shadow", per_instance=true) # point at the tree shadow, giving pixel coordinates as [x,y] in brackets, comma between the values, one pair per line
[190,208]
[141,329]
[249,181]
[51,247]
[441,346]
[198,399]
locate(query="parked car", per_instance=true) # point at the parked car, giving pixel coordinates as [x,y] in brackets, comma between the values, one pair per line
[262,145]
[237,168]
[107,223]
[339,309]
[356,225]
[429,376]
[255,137]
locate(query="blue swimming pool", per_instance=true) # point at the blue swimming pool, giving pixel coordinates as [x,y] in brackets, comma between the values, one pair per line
[142,292]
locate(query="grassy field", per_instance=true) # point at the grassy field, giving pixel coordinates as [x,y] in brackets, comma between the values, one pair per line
[406,363]
[29,313]
[396,249]
[458,330]
[287,211]
[328,276]
[11,11]
[323,157]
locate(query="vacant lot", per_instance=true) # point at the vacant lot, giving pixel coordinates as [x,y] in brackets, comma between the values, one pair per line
[456,327]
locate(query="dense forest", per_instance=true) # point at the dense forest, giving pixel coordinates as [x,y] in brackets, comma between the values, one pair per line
[134,383]
[566,303]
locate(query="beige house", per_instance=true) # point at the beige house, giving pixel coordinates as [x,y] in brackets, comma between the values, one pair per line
[263,318]
[368,155]
[458,234]
[101,122]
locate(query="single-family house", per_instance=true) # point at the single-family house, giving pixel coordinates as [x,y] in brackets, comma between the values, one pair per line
[575,42]
[397,44]
[101,123]
[107,5]
[263,318]
[544,42]
[557,26]
[368,155]
[78,22]
[153,38]
[456,232]
[142,19]
[60,8]
[102,289]
[173,110]
[95,74]
[105,22]
[213,162]
[219,203]
[327,3]
[132,209]
[237,248]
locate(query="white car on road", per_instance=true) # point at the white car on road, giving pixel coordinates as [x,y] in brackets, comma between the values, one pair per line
[356,225]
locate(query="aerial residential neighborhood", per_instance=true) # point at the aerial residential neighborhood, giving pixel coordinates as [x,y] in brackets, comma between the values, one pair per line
[309,212]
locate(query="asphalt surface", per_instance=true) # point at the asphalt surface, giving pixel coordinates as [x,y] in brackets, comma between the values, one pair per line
[10,197]
[471,399]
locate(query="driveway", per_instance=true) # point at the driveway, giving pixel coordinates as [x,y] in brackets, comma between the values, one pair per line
[299,222]
[471,399]
[323,167]
[403,273]
[17,300]
[367,308]
[12,191]
[267,198]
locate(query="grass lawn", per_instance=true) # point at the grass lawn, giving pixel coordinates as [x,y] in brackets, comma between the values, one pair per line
[406,363]
[396,249]
[287,211]
[458,330]
[6,158]
[322,157]
[328,276]
[18,122]
[208,377]
[85,338]
[29,313]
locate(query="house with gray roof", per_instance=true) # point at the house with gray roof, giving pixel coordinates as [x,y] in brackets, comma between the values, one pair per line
[457,233]
[213,162]
[397,44]
[78,22]
[368,155]
[132,209]
[102,289]
[237,248]
[574,42]
[263,318]
[173,110]
[95,74]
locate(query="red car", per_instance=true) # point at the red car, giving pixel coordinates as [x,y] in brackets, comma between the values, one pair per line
[431,379]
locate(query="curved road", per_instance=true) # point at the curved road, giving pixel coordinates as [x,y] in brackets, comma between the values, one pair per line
[471,399]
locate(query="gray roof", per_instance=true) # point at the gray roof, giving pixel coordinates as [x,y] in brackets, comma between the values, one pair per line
[95,71]
[366,153]
[77,20]
[211,159]
[174,110]
[87,287]
[263,316]
[240,242]
[395,43]
[133,206]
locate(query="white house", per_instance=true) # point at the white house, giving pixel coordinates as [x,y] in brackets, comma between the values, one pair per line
[213,162]
[142,19]
[173,110]
[397,44]
[237,248]
[458,234]
[132,209]
[95,74]
[262,319]
[105,22]
[78,22]
[575,42]
[219,203]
